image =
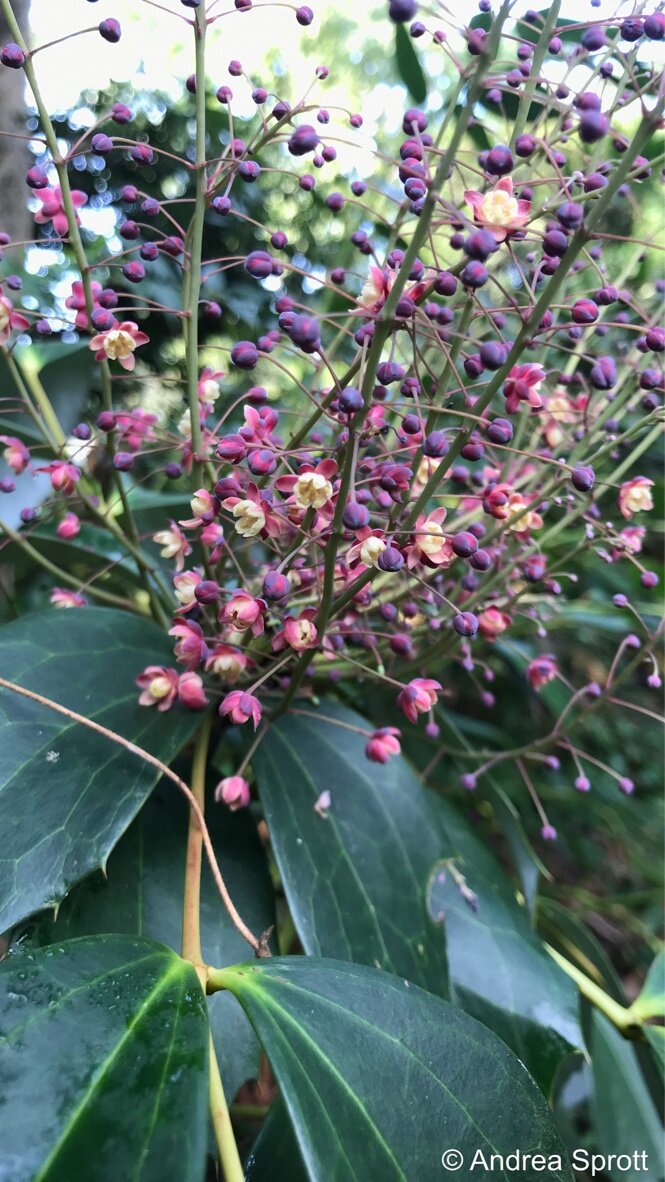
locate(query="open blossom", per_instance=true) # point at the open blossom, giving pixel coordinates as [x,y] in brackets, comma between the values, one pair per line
[15,453]
[9,319]
[542,670]
[635,496]
[243,612]
[523,385]
[118,343]
[233,791]
[368,547]
[53,210]
[249,518]
[311,489]
[376,288]
[629,541]
[62,597]
[208,388]
[191,692]
[498,210]
[203,507]
[190,648]
[63,476]
[159,687]
[174,543]
[299,632]
[135,428]
[227,662]
[429,544]
[383,744]
[418,697]
[240,707]
[185,585]
[525,519]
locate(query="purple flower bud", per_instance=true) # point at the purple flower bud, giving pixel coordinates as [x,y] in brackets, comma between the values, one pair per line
[548,833]
[626,785]
[245,355]
[464,544]
[654,26]
[649,579]
[110,30]
[12,56]
[391,560]
[465,624]
[401,11]
[276,586]
[468,781]
[355,516]
[583,478]
[101,319]
[101,143]
[493,354]
[304,15]
[474,275]
[350,400]
[134,271]
[584,312]
[222,205]
[435,445]
[123,461]
[142,154]
[388,372]
[249,171]
[207,591]
[499,161]
[122,114]
[259,264]
[603,373]
[570,214]
[525,145]
[303,140]
[37,178]
[593,126]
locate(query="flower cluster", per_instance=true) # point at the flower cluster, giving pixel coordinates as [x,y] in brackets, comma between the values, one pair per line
[388,503]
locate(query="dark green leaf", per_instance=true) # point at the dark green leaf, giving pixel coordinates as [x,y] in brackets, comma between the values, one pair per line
[655,1036]
[276,1156]
[339,1035]
[356,881]
[625,1117]
[141,894]
[500,971]
[67,794]
[408,65]
[651,1001]
[357,885]
[103,1057]
[93,549]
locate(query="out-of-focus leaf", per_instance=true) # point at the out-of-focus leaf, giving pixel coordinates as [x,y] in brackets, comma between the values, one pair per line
[408,65]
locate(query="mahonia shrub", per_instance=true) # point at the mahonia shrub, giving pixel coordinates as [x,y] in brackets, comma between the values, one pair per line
[387,495]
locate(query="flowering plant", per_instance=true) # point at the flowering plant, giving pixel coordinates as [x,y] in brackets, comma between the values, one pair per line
[300,556]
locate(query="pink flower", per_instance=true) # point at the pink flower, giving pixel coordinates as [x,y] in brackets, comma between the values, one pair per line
[542,670]
[240,707]
[61,597]
[136,427]
[53,209]
[227,662]
[312,487]
[175,544]
[185,585]
[233,791]
[69,527]
[10,319]
[259,424]
[522,385]
[382,744]
[203,507]
[429,544]
[243,612]
[191,692]
[63,476]
[493,622]
[418,697]
[118,343]
[299,632]
[77,301]
[16,454]
[191,648]
[159,687]
[629,541]
[635,496]
[208,389]
[253,514]
[498,210]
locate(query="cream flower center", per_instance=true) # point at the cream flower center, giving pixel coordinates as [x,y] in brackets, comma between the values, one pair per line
[499,208]
[312,490]
[371,550]
[118,344]
[159,688]
[250,518]
[429,537]
[4,315]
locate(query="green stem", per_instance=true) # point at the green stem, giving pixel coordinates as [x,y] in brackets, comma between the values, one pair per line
[624,1019]
[536,66]
[192,290]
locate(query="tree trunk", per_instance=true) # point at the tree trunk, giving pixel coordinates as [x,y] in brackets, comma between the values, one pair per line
[15,157]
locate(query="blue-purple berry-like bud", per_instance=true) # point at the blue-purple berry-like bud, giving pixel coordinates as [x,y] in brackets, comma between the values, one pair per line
[110,30]
[391,560]
[304,15]
[401,11]
[12,56]
[350,400]
[355,516]
[276,586]
[245,355]
[435,445]
[465,624]
[464,544]
[303,140]
[583,478]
